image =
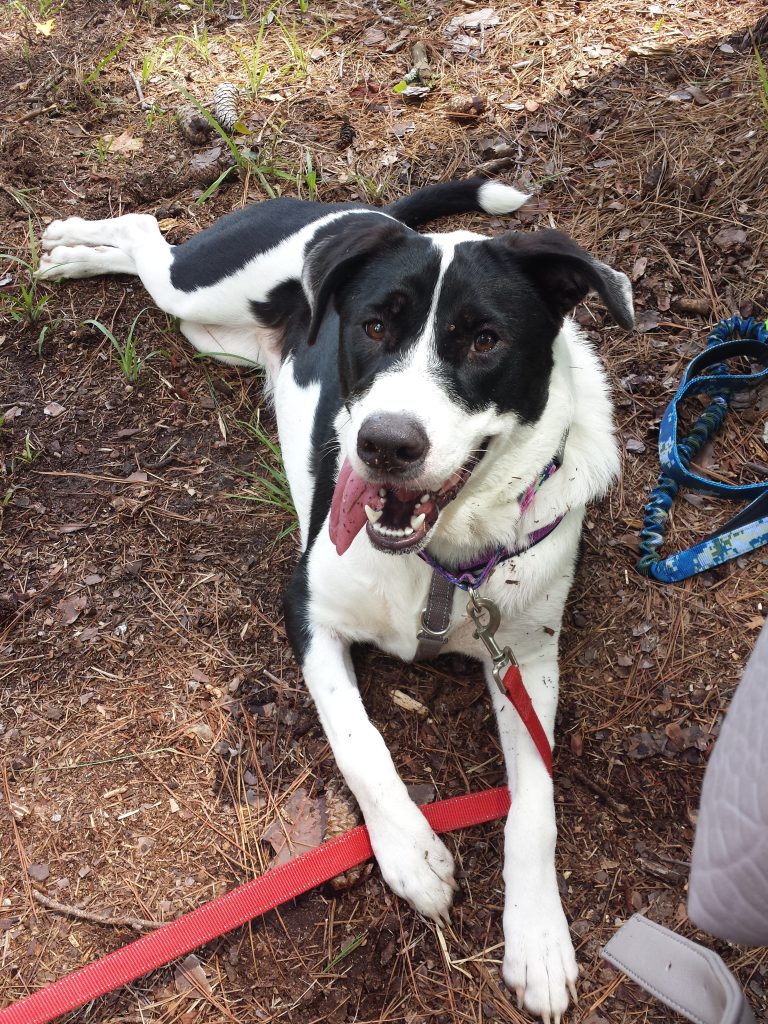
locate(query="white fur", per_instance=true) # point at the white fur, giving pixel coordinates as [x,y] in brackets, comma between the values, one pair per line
[373,597]
[497,198]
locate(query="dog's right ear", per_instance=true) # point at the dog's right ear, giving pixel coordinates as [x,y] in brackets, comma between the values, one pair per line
[345,246]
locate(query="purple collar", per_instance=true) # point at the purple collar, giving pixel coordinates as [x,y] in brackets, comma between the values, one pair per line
[474,574]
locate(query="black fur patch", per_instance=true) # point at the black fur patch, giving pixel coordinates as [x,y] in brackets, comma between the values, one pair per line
[226,246]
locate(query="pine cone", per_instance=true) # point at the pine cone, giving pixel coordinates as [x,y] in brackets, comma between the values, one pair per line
[193,125]
[342,815]
[225,105]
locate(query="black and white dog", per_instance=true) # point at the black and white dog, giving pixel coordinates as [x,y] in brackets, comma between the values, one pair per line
[422,385]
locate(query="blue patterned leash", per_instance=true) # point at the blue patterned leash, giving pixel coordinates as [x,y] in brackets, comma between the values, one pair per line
[707,374]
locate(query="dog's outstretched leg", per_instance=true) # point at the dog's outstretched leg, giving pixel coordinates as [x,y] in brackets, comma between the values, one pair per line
[131,244]
[413,861]
[73,261]
[539,962]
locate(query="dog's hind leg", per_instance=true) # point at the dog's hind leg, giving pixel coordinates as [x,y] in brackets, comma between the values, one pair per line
[138,248]
[74,261]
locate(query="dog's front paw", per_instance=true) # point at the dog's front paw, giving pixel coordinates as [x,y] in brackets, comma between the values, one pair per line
[415,864]
[539,962]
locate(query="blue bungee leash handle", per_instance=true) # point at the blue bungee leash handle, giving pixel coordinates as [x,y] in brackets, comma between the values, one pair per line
[707,374]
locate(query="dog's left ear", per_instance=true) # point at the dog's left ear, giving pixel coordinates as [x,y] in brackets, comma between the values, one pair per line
[563,273]
[335,258]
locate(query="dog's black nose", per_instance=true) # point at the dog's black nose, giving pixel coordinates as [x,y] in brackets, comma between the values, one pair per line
[392,442]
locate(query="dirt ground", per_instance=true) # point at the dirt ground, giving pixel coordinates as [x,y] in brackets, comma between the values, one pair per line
[153,725]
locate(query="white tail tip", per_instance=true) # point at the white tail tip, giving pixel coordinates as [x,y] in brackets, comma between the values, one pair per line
[494,197]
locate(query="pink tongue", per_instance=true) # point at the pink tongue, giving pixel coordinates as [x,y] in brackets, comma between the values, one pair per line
[348,516]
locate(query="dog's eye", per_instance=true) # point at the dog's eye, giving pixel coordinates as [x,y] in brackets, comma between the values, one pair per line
[375,329]
[484,342]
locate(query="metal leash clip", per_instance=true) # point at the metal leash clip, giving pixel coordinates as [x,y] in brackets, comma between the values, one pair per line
[477,607]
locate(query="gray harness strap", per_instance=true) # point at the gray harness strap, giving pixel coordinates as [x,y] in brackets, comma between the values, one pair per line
[686,976]
[435,619]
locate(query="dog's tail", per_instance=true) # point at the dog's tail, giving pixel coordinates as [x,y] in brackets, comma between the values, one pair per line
[474,195]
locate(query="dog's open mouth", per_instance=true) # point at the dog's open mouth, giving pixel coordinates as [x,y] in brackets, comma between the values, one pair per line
[396,519]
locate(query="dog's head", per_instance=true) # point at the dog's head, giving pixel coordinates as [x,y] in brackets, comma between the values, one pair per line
[446,342]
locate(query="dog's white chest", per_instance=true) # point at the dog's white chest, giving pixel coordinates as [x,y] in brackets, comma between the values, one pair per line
[377,599]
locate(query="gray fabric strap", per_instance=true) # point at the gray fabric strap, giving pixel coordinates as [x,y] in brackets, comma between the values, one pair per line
[435,619]
[684,975]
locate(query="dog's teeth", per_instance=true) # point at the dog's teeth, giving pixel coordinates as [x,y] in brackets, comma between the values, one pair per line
[373,516]
[382,492]
[425,498]
[408,531]
[416,521]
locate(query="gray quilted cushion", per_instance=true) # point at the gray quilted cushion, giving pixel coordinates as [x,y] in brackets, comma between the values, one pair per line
[728,893]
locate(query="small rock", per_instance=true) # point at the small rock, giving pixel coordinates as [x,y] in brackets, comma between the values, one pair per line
[634,444]
[39,872]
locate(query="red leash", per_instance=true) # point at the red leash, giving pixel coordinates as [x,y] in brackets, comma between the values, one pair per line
[256,897]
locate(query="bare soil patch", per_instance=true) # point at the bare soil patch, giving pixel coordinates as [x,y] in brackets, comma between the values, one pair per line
[153,724]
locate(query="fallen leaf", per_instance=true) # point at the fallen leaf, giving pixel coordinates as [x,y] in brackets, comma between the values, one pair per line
[53,409]
[206,159]
[124,144]
[412,92]
[11,414]
[373,36]
[70,608]
[421,793]
[647,320]
[88,635]
[299,828]
[699,96]
[684,739]
[485,18]
[697,500]
[201,731]
[191,977]
[639,268]
[730,238]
